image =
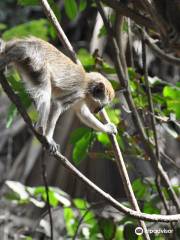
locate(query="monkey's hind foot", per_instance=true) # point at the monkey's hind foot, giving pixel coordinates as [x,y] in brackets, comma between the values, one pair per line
[39,128]
[53,147]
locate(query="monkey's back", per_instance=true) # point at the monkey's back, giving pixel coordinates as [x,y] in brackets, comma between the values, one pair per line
[37,58]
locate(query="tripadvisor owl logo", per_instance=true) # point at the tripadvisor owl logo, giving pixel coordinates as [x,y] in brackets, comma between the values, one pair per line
[138,231]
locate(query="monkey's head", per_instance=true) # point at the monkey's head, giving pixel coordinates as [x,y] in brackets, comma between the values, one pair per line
[100,92]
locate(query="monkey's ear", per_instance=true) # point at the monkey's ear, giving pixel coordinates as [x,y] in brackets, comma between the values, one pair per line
[98,90]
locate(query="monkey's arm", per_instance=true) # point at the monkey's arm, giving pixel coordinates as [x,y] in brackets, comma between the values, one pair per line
[91,121]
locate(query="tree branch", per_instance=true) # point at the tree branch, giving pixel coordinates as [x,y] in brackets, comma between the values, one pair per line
[119,159]
[119,20]
[128,12]
[64,161]
[136,118]
[159,53]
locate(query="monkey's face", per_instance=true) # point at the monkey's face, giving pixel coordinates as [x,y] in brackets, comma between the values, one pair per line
[100,92]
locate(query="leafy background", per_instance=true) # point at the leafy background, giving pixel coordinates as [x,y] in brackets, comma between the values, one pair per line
[82,213]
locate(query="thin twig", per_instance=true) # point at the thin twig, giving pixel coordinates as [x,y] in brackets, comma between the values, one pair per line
[163,199]
[170,160]
[119,21]
[79,224]
[44,175]
[159,53]
[149,96]
[130,43]
[66,163]
[51,16]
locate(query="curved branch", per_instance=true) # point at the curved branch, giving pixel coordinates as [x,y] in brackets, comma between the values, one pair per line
[66,163]
[159,53]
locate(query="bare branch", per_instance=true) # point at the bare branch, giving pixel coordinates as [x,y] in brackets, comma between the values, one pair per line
[149,95]
[128,12]
[66,163]
[51,16]
[159,53]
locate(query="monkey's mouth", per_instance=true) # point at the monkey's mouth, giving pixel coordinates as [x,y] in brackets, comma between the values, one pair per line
[98,109]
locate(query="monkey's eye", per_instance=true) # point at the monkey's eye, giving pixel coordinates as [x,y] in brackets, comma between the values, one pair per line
[98,90]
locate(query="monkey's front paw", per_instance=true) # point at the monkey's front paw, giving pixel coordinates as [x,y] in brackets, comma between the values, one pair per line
[111,128]
[53,146]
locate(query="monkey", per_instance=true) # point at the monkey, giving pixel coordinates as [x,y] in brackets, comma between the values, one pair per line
[55,83]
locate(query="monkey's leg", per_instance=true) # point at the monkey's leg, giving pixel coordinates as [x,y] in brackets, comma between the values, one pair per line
[54,114]
[42,99]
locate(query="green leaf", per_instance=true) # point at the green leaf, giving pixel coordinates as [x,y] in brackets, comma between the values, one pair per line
[2,26]
[102,32]
[83,206]
[78,133]
[18,188]
[139,188]
[108,228]
[132,73]
[12,113]
[81,147]
[115,85]
[41,192]
[86,59]
[71,9]
[172,95]
[62,199]
[38,28]
[28,238]
[119,233]
[54,6]
[52,199]
[114,115]
[18,87]
[129,232]
[82,5]
[71,222]
[103,138]
[120,142]
[149,207]
[28,2]
[56,195]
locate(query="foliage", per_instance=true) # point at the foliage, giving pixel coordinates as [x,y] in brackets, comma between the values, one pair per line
[172,98]
[79,216]
[38,28]
[72,8]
